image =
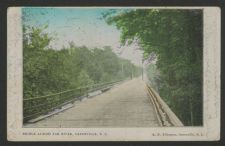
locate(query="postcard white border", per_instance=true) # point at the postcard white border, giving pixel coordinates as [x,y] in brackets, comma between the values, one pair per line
[211,105]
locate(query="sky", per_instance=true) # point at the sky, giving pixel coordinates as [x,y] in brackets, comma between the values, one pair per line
[83,26]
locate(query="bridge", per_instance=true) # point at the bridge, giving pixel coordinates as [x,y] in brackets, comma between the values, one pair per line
[129,103]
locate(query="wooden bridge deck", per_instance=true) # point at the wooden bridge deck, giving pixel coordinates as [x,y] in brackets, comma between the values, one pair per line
[125,105]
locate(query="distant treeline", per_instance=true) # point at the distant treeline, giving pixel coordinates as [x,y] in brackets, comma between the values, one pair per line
[47,70]
[175,36]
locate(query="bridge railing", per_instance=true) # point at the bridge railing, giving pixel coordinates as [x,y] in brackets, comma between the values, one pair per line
[36,106]
[165,115]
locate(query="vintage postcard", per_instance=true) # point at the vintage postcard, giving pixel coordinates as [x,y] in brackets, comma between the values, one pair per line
[113,73]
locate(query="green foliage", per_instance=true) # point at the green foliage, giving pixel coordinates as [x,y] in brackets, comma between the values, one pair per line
[47,70]
[84,79]
[176,37]
[153,76]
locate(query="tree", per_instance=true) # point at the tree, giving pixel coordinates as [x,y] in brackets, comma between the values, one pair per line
[47,70]
[175,36]
[84,79]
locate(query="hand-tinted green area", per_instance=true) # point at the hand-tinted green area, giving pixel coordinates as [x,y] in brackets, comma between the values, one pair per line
[48,71]
[175,36]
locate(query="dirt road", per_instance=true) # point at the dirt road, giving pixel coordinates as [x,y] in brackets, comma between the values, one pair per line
[125,105]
